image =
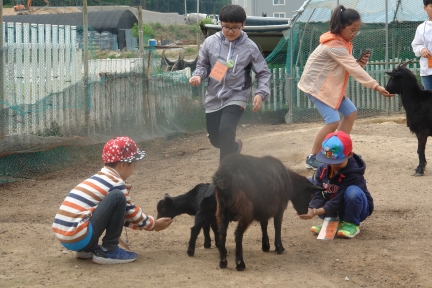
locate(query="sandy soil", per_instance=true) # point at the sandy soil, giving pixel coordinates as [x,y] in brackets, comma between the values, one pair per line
[393,249]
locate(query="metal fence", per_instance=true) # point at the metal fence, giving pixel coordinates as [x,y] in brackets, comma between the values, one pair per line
[388,27]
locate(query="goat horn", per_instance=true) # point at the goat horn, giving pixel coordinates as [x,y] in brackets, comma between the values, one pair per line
[406,63]
[399,65]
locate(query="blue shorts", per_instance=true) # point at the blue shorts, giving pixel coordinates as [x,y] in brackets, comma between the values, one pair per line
[331,115]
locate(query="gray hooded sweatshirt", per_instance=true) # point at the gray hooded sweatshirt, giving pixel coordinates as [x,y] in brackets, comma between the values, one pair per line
[237,83]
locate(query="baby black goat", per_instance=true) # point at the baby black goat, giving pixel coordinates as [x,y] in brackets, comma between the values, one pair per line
[201,202]
[417,103]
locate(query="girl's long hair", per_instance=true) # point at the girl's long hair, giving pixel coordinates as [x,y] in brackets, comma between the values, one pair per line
[342,17]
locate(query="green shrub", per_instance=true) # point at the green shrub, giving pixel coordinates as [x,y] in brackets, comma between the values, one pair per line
[156,25]
[194,29]
[207,21]
[190,50]
[148,31]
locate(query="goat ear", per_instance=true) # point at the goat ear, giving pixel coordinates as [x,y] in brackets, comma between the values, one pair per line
[168,198]
[406,63]
[390,73]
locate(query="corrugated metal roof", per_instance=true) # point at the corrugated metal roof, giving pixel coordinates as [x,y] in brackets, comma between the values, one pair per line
[372,11]
[100,21]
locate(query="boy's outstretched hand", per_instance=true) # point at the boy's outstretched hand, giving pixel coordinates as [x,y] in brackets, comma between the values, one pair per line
[257,102]
[162,223]
[310,214]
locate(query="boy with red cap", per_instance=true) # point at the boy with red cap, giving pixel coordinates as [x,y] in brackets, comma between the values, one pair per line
[102,203]
[342,174]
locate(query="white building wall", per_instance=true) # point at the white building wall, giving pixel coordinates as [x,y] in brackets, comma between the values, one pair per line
[281,8]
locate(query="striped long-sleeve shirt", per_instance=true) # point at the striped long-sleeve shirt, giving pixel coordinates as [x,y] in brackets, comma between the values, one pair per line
[72,219]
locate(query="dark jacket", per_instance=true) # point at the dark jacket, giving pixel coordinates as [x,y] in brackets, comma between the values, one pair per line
[332,200]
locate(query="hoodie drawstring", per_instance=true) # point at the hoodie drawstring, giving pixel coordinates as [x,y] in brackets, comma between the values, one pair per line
[323,173]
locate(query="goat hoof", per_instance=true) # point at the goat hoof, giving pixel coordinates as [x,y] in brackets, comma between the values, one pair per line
[207,245]
[190,252]
[223,264]
[416,174]
[266,247]
[280,250]
[240,266]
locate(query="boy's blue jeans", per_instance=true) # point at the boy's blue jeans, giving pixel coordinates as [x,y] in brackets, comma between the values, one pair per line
[356,206]
[427,82]
[109,217]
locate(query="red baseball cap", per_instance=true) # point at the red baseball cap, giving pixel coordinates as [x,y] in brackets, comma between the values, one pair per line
[121,149]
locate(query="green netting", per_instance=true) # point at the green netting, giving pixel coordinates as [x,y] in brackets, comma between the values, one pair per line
[388,27]
[53,114]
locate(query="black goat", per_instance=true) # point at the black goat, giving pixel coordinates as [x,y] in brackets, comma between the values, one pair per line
[201,202]
[249,188]
[417,103]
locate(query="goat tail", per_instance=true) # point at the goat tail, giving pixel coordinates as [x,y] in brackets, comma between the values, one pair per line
[221,181]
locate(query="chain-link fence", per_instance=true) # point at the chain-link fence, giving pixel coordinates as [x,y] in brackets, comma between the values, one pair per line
[388,27]
[66,88]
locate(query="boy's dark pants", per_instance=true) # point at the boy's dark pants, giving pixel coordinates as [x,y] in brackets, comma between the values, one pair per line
[222,126]
[109,215]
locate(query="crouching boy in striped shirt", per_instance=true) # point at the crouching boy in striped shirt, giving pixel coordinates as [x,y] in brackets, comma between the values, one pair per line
[102,203]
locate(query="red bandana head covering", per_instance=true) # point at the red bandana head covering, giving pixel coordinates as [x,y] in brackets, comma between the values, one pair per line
[121,149]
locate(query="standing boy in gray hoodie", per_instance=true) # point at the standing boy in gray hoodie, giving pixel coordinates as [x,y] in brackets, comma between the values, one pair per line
[227,58]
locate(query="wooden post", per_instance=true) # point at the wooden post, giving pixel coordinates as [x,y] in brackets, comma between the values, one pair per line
[86,68]
[2,90]
[146,111]
[140,31]
[197,11]
[148,92]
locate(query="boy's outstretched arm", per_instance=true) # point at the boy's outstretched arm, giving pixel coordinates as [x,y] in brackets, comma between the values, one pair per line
[162,223]
[312,212]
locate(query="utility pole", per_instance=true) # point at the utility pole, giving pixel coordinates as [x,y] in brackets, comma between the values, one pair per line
[140,31]
[198,11]
[86,67]
[2,90]
[185,9]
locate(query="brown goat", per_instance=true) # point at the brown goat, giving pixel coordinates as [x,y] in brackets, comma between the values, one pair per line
[249,188]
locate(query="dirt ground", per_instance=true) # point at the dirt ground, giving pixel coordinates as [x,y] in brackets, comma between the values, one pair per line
[393,249]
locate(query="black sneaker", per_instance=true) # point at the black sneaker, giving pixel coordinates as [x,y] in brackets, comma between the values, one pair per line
[312,162]
[113,257]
